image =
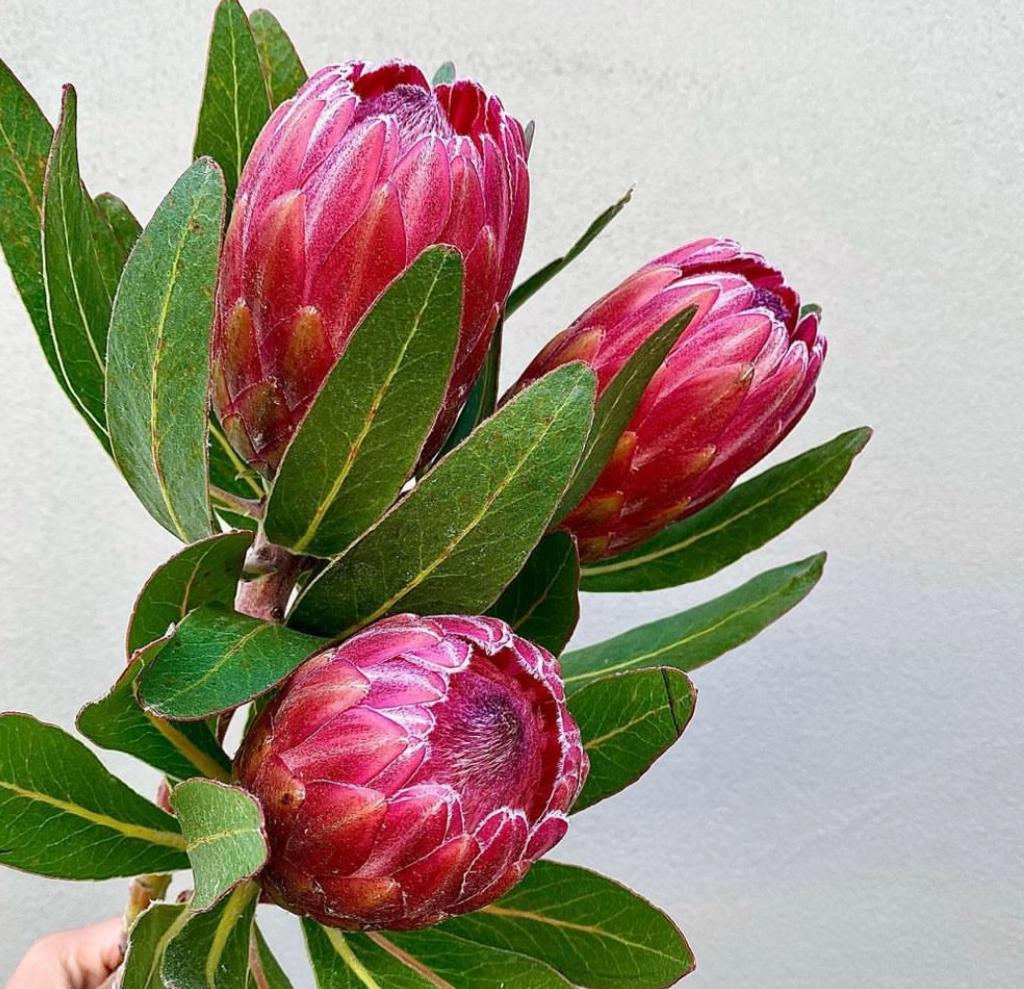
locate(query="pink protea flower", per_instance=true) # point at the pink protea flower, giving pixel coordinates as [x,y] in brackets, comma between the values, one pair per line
[413,772]
[733,386]
[349,181]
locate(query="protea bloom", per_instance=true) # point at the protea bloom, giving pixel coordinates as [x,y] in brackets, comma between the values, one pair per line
[413,772]
[346,185]
[733,386]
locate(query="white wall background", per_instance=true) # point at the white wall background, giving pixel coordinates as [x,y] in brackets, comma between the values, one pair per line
[846,808]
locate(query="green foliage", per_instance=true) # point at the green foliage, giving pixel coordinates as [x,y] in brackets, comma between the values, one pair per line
[627,721]
[147,941]
[236,95]
[695,637]
[483,397]
[540,278]
[211,951]
[117,722]
[360,440]
[742,520]
[205,573]
[464,532]
[597,933]
[217,660]
[62,814]
[120,219]
[159,369]
[445,74]
[224,837]
[542,604]
[282,67]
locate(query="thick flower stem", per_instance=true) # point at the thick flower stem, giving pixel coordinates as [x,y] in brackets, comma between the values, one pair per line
[275,571]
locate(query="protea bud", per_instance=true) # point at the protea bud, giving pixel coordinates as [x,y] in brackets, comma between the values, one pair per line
[732,387]
[349,181]
[413,772]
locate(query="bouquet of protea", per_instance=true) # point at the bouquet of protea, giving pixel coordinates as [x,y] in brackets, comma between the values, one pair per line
[294,365]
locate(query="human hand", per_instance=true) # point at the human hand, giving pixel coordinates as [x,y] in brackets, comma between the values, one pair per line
[80,959]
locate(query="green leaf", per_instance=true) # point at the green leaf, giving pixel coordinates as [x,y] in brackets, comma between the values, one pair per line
[444,75]
[597,933]
[740,521]
[117,722]
[460,536]
[271,972]
[482,399]
[228,471]
[282,67]
[695,637]
[236,99]
[360,440]
[540,278]
[216,660]
[224,837]
[541,604]
[147,941]
[211,951]
[627,721]
[121,220]
[159,365]
[25,136]
[78,293]
[205,573]
[617,403]
[428,959]
[63,815]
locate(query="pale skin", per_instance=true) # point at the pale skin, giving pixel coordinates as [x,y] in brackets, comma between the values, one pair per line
[85,958]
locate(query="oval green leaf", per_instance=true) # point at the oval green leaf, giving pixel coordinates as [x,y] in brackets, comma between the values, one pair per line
[361,438]
[205,573]
[695,637]
[118,722]
[158,358]
[463,533]
[597,933]
[147,941]
[429,959]
[541,604]
[236,97]
[211,951]
[122,222]
[63,815]
[282,67]
[627,721]
[224,837]
[740,521]
[216,660]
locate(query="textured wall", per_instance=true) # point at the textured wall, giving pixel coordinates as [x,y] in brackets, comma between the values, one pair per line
[846,808]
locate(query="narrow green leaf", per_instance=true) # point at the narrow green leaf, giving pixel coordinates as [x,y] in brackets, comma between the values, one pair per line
[224,837]
[25,136]
[265,966]
[117,722]
[695,637]
[460,536]
[597,933]
[740,521]
[147,942]
[217,660]
[616,405]
[541,604]
[121,220]
[627,721]
[159,365]
[205,573]
[211,951]
[228,471]
[429,959]
[444,75]
[482,399]
[360,440]
[282,67]
[540,278]
[236,98]
[78,294]
[63,815]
